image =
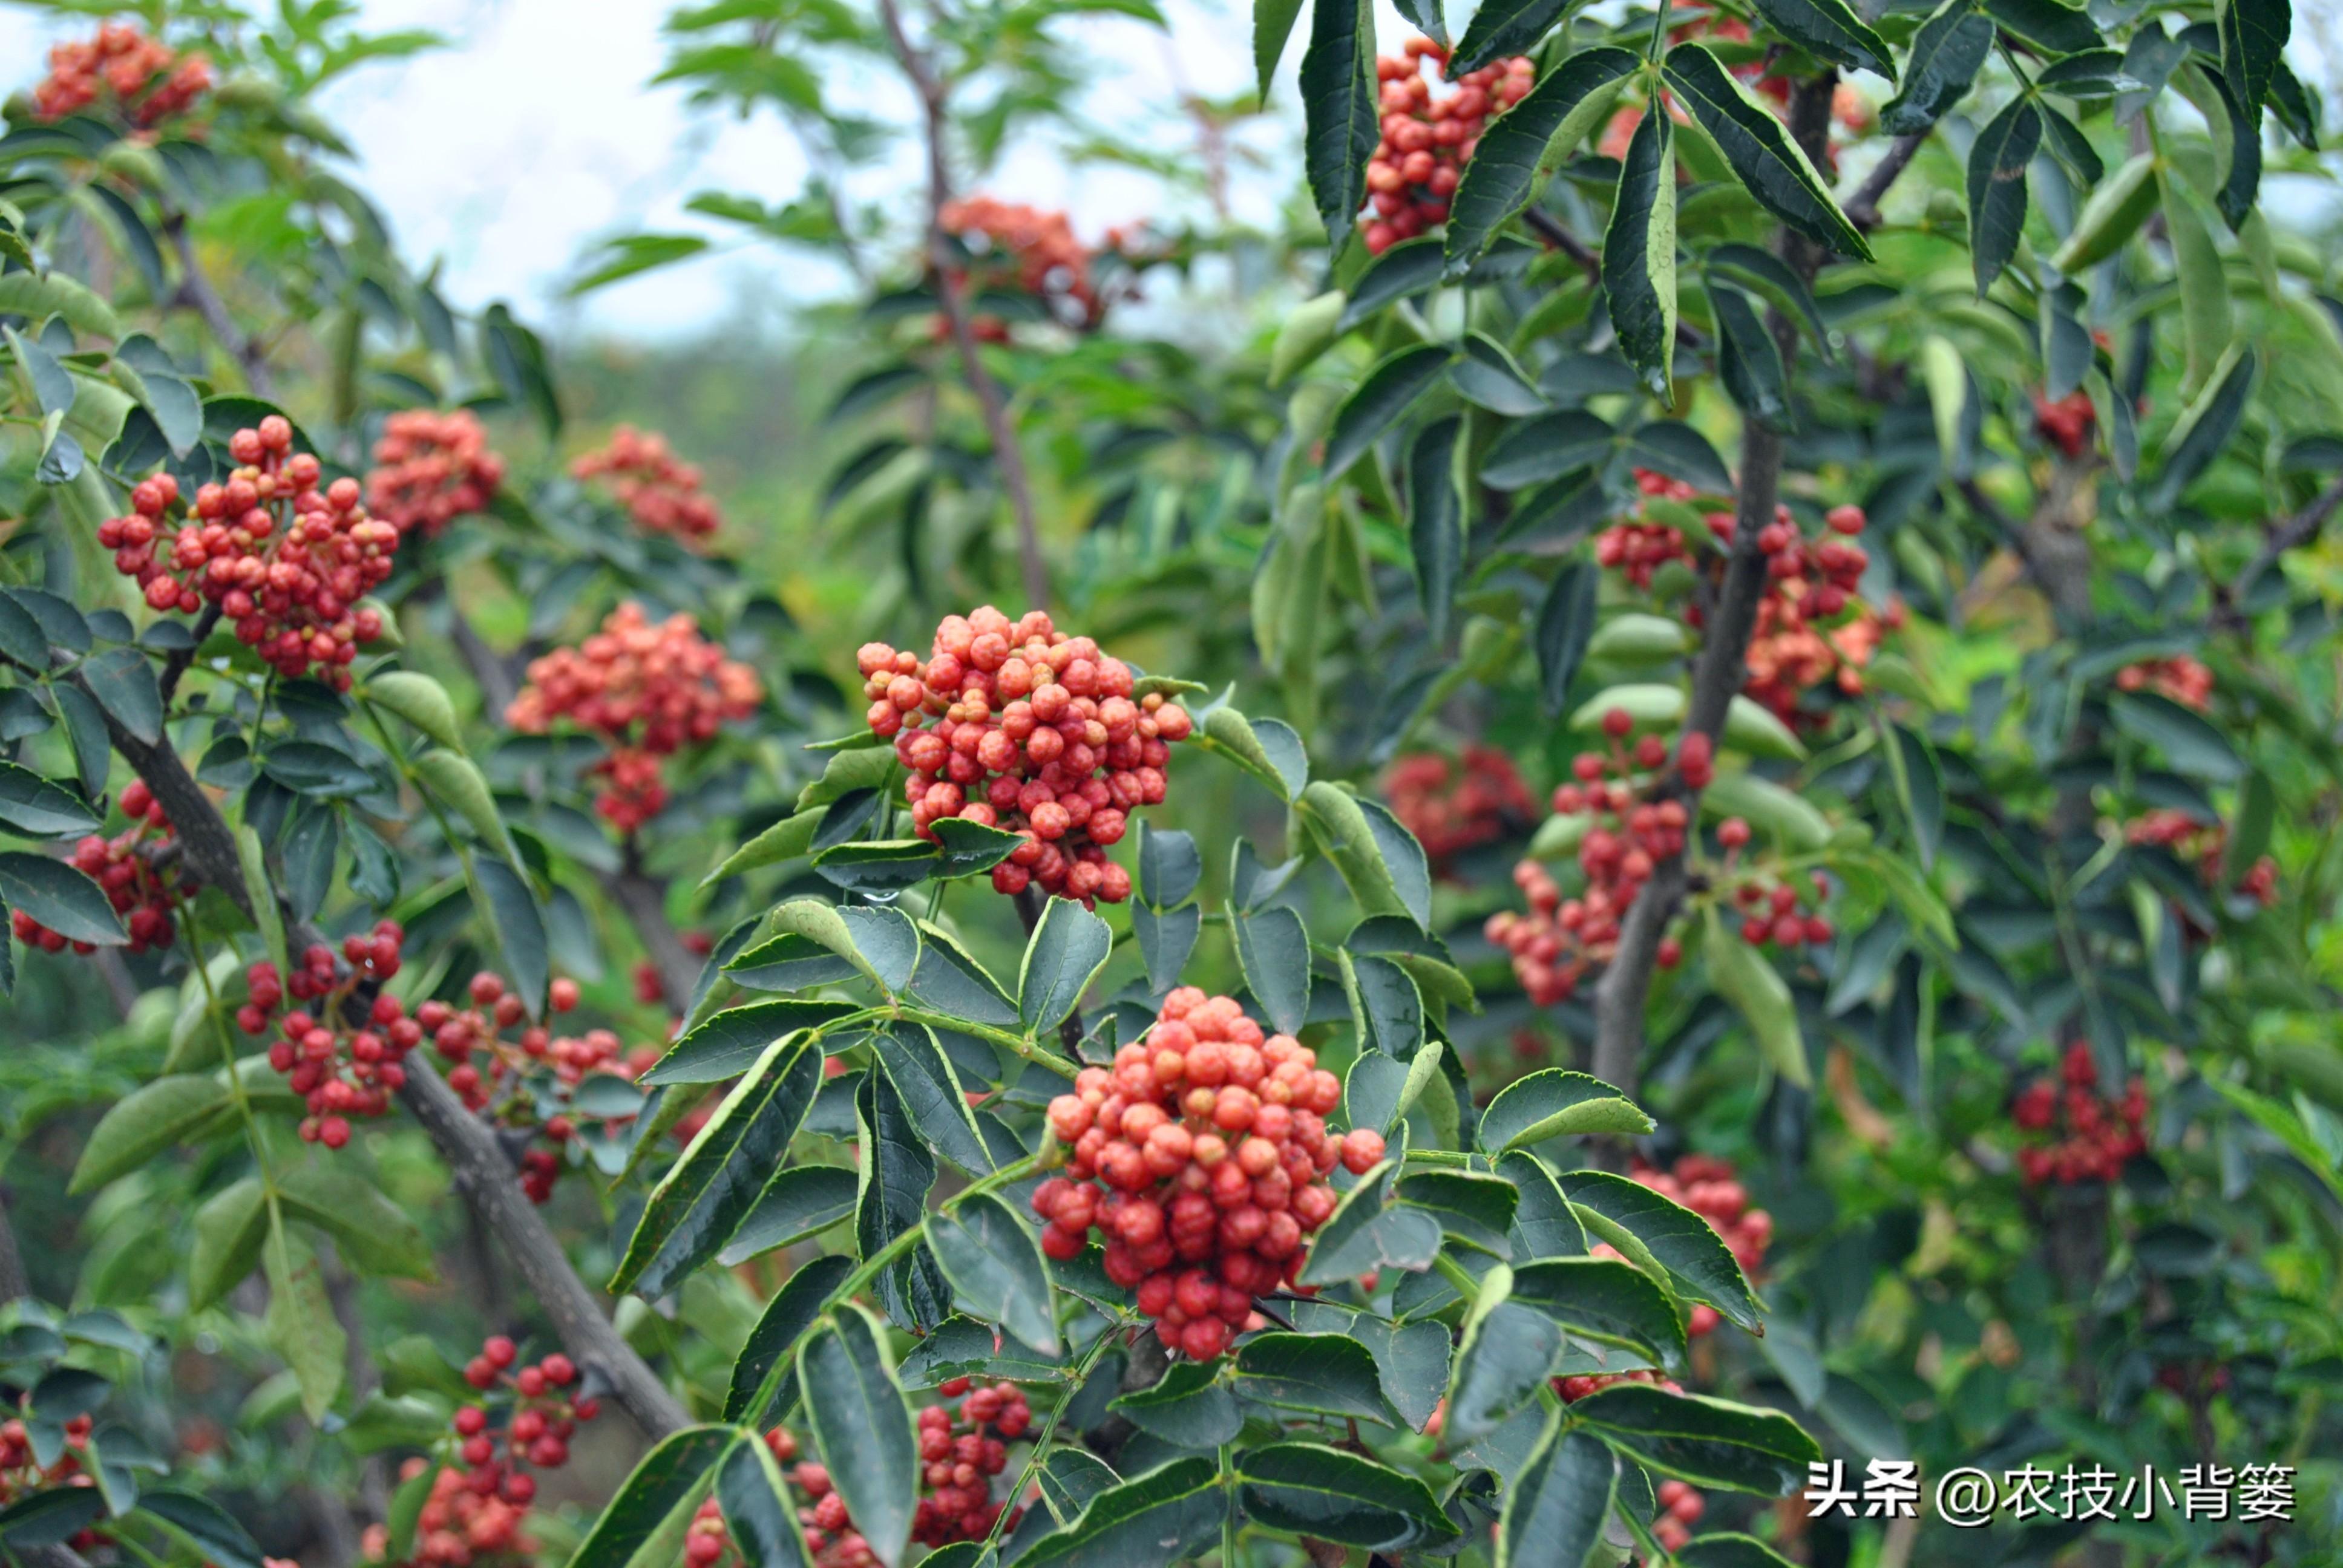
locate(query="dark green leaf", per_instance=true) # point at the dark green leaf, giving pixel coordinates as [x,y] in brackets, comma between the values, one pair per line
[729,1043]
[1313,1490]
[1068,947]
[1340,125]
[1435,523]
[2050,25]
[1601,1299]
[32,805]
[1707,1441]
[2187,741]
[1997,161]
[1759,147]
[1946,54]
[1165,940]
[1273,950]
[861,1427]
[1545,447]
[1488,375]
[1472,1207]
[1502,28]
[1680,1241]
[60,897]
[518,921]
[931,1094]
[995,1266]
[1386,1005]
[1554,1103]
[1272,23]
[123,681]
[1566,625]
[773,1343]
[2205,425]
[204,1524]
[1383,399]
[1367,1231]
[1829,30]
[1749,361]
[950,980]
[698,1206]
[1508,1352]
[1555,1504]
[1405,270]
[758,1514]
[1190,1408]
[1148,1522]
[801,1200]
[1639,254]
[660,1484]
[1502,177]
[1329,1373]
[1169,866]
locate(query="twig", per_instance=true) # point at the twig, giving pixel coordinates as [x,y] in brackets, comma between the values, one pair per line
[1721,671]
[1550,229]
[197,293]
[933,94]
[2293,533]
[480,1168]
[1862,207]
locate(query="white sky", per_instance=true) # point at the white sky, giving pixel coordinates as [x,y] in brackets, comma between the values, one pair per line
[508,153]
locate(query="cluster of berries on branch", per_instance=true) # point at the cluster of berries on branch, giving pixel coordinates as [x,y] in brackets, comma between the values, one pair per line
[659,490]
[22,1474]
[1202,1157]
[1813,625]
[286,563]
[1452,807]
[431,468]
[2207,843]
[1427,140]
[1708,1186]
[1636,551]
[1850,109]
[960,1450]
[648,689]
[1016,724]
[2066,423]
[339,1069]
[136,870]
[140,77]
[2089,1137]
[1779,912]
[1633,826]
[1033,250]
[830,1539]
[476,1506]
[2186,680]
[527,1082]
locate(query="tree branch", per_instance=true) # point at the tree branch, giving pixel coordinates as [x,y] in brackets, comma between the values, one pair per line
[2293,533]
[481,1169]
[933,94]
[1622,995]
[1862,207]
[196,292]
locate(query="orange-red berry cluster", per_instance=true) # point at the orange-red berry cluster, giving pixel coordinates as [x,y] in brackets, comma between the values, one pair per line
[339,1070]
[830,1538]
[2090,1136]
[286,562]
[528,1081]
[1707,1186]
[1426,140]
[431,468]
[1814,581]
[1454,806]
[1681,1506]
[659,490]
[1774,911]
[1036,251]
[649,690]
[1016,725]
[2066,422]
[2208,843]
[145,78]
[143,892]
[476,1506]
[1202,1158]
[1638,549]
[22,1473]
[2184,680]
[960,1450]
[1559,940]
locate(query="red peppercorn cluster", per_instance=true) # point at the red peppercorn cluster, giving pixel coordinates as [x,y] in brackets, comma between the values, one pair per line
[456,1526]
[2208,844]
[431,468]
[1681,1506]
[1558,940]
[1454,806]
[2066,423]
[1707,1185]
[1780,912]
[1033,250]
[2184,680]
[660,491]
[1202,1157]
[830,1538]
[146,80]
[1638,549]
[649,690]
[1426,140]
[2090,1136]
[138,879]
[1813,582]
[22,1473]
[1016,725]
[286,562]
[526,1082]
[961,1450]
[340,1070]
